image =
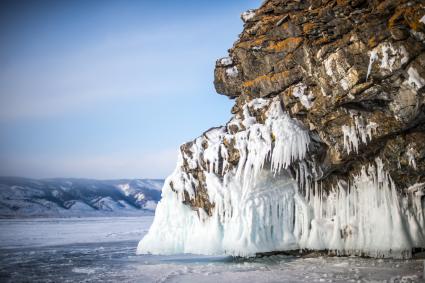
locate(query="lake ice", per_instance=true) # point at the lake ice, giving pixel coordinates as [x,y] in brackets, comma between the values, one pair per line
[104,249]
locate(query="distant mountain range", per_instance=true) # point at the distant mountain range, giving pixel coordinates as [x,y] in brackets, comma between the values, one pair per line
[66,197]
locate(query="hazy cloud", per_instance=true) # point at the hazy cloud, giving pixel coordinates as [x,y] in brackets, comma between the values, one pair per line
[151,164]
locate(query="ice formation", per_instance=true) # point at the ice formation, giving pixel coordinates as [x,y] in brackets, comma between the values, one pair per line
[328,63]
[232,71]
[411,158]
[391,57]
[248,15]
[305,99]
[261,205]
[373,57]
[226,61]
[415,79]
[359,132]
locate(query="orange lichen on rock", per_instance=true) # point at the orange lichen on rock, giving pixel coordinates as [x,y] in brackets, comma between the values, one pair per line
[286,45]
[408,16]
[256,80]
[274,77]
[269,19]
[322,40]
[308,27]
[251,43]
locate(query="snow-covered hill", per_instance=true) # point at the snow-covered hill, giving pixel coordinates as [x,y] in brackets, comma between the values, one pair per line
[22,197]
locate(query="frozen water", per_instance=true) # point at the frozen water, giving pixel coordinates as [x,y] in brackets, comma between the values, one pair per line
[81,250]
[357,133]
[391,57]
[232,72]
[415,79]
[39,232]
[226,61]
[373,58]
[305,99]
[248,15]
[260,206]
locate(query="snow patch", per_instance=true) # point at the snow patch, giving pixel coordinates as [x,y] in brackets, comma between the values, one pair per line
[391,57]
[226,61]
[305,99]
[248,15]
[125,188]
[415,80]
[232,72]
[150,205]
[345,84]
[328,65]
[83,270]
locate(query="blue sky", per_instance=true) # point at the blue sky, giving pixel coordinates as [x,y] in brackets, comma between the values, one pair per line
[109,89]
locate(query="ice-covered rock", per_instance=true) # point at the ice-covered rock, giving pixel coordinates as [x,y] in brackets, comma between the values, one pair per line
[248,15]
[325,150]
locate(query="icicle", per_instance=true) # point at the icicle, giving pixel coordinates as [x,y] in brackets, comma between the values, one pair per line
[411,158]
[373,58]
[357,133]
[258,209]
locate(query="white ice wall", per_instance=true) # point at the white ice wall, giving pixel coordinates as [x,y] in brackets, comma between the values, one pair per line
[260,210]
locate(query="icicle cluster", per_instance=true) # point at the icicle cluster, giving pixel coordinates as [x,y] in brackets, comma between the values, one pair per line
[305,99]
[260,209]
[391,57]
[359,132]
[279,140]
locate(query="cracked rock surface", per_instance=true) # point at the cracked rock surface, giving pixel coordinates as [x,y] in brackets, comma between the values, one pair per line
[335,64]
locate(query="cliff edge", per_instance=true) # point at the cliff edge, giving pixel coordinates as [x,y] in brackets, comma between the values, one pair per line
[325,150]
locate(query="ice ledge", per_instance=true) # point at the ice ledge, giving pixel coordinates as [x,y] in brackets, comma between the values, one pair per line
[366,218]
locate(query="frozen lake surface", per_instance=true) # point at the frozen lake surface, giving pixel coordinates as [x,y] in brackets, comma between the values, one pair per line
[103,250]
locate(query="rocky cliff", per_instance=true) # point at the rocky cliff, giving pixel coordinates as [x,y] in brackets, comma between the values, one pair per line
[325,150]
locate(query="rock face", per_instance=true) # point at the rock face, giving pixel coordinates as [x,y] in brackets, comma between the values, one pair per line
[326,149]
